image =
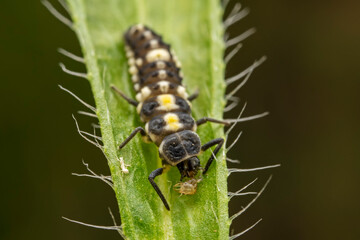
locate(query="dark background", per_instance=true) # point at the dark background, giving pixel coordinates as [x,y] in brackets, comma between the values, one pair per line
[309,83]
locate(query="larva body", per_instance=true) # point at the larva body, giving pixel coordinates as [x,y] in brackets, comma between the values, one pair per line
[164,106]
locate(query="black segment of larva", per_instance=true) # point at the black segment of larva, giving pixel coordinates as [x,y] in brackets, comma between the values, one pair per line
[163,105]
[159,75]
[157,65]
[159,88]
[158,129]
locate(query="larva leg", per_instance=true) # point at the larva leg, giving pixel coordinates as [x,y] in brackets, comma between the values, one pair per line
[152,176]
[128,139]
[206,119]
[129,100]
[219,142]
[194,95]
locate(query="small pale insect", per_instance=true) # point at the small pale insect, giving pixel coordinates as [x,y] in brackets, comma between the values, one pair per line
[165,107]
[187,188]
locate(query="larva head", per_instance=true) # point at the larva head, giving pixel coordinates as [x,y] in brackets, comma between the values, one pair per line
[189,168]
[181,149]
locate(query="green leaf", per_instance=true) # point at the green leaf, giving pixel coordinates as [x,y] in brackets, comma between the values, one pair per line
[194,30]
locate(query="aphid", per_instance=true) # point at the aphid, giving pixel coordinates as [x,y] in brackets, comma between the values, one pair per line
[123,166]
[164,107]
[187,188]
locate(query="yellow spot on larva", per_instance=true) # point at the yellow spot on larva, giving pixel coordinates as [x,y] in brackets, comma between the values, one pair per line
[172,119]
[158,54]
[166,100]
[172,122]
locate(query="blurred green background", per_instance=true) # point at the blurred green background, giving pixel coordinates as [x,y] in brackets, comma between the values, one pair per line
[309,83]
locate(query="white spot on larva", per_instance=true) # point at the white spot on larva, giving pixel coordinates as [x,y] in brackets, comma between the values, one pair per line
[136,27]
[147,127]
[138,97]
[131,61]
[135,78]
[162,74]
[139,62]
[129,54]
[154,43]
[164,86]
[147,34]
[137,87]
[172,122]
[158,54]
[140,26]
[145,93]
[160,65]
[178,64]
[182,92]
[161,148]
[138,108]
[133,70]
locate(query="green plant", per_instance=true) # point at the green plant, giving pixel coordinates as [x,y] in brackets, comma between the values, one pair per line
[195,31]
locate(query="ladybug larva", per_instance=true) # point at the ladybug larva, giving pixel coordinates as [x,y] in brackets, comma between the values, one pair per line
[164,106]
